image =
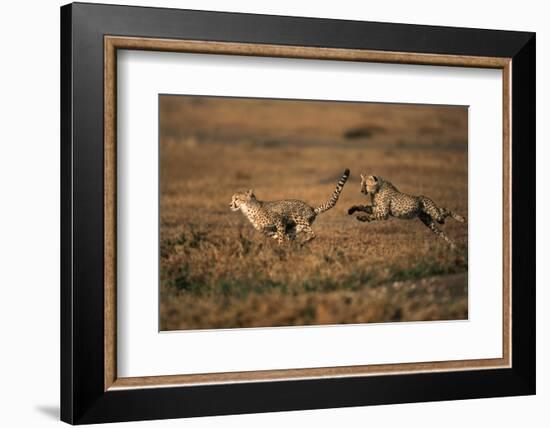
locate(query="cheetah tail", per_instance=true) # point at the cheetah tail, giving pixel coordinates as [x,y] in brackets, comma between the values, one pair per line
[335,195]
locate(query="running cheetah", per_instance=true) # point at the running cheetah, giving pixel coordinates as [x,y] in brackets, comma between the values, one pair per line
[282,220]
[387,201]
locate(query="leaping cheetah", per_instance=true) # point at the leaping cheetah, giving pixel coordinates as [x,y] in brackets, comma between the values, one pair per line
[388,201]
[282,220]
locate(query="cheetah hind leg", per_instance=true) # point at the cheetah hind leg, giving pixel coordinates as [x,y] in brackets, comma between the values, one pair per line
[281,234]
[307,231]
[430,224]
[438,214]
[291,231]
[444,213]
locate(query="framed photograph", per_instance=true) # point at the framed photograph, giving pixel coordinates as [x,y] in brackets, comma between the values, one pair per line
[266,213]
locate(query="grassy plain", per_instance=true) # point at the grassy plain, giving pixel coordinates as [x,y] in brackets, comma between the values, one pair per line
[218,272]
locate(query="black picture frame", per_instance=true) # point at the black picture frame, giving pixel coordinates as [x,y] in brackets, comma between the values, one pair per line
[83,398]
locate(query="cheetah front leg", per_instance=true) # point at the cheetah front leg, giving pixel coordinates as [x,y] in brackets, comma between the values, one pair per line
[372,217]
[378,213]
[365,208]
[430,223]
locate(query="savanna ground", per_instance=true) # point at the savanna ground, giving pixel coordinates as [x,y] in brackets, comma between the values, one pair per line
[218,272]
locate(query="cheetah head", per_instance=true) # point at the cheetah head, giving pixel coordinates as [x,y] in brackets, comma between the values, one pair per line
[369,184]
[241,198]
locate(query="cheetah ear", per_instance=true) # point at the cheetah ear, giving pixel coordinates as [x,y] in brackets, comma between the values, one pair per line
[362,177]
[249,192]
[374,177]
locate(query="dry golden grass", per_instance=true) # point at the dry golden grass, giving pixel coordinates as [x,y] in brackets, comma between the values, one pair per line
[217,272]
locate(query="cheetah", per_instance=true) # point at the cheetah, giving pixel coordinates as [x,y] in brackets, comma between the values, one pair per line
[282,220]
[387,201]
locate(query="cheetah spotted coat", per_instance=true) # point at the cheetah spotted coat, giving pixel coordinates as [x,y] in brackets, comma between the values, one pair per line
[388,201]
